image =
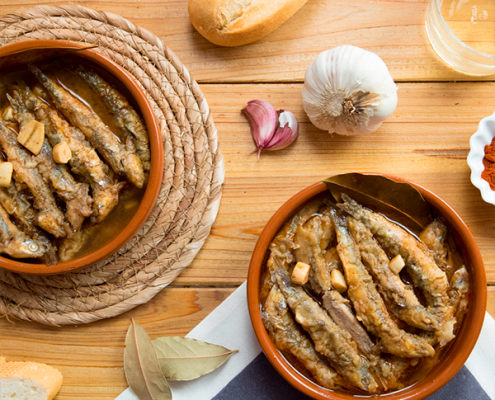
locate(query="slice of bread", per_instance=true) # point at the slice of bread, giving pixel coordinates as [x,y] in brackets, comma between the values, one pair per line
[28,381]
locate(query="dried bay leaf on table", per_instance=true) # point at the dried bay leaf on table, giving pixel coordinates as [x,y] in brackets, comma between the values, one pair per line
[399,201]
[183,359]
[142,370]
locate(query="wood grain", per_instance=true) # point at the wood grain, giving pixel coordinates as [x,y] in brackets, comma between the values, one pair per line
[426,140]
[491,301]
[90,357]
[396,32]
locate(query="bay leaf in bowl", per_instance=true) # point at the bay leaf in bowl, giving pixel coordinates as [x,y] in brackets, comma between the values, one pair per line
[399,201]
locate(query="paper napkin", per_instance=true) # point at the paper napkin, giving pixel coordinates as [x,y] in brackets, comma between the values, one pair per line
[248,375]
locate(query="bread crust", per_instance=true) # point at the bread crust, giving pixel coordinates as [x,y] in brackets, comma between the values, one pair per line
[48,377]
[236,22]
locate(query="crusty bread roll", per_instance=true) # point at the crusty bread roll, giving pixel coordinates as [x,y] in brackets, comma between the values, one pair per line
[237,22]
[28,381]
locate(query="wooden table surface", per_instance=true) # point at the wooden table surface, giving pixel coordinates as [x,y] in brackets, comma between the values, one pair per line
[426,140]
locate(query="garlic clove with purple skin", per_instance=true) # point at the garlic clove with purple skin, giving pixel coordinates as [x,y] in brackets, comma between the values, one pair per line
[270,130]
[286,132]
[262,118]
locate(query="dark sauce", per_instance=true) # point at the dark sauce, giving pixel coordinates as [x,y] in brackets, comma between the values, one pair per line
[130,197]
[115,222]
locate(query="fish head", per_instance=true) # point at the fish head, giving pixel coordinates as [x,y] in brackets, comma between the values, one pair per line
[27,248]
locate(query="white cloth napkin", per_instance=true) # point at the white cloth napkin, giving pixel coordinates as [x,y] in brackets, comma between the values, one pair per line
[229,326]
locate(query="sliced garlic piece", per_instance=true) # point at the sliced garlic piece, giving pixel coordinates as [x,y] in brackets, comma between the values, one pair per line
[6,169]
[396,264]
[300,273]
[338,281]
[8,113]
[31,136]
[62,153]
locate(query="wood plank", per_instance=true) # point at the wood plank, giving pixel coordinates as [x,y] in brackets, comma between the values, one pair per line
[90,357]
[394,30]
[491,301]
[426,140]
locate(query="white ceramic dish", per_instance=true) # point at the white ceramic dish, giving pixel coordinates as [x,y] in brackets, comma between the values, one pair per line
[483,137]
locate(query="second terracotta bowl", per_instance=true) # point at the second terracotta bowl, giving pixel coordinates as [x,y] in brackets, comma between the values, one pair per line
[16,57]
[460,348]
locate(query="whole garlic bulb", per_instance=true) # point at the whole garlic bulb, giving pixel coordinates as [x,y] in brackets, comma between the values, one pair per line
[349,91]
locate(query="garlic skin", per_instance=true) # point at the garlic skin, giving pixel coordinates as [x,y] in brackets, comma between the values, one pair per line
[286,133]
[270,130]
[262,118]
[349,91]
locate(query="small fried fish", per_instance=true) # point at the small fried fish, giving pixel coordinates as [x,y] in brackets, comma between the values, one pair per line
[98,134]
[124,114]
[50,217]
[17,205]
[74,194]
[401,299]
[420,264]
[435,238]
[337,307]
[85,161]
[389,370]
[70,246]
[287,336]
[16,243]
[307,239]
[367,302]
[333,342]
[459,292]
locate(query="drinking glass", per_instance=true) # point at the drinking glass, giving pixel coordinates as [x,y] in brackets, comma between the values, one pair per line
[462,32]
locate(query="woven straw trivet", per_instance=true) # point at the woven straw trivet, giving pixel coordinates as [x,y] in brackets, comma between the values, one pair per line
[189,198]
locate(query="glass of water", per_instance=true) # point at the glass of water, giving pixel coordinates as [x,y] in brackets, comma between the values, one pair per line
[462,32]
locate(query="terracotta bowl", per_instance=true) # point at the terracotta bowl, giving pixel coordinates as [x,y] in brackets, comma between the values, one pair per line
[15,57]
[459,349]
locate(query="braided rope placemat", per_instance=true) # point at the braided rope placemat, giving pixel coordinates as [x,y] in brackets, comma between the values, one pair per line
[189,197]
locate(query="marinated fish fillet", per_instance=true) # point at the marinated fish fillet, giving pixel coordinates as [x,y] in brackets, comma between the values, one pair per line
[332,259]
[306,213]
[328,236]
[338,308]
[70,246]
[7,113]
[390,370]
[124,114]
[458,301]
[333,342]
[434,237]
[98,134]
[420,264]
[401,299]
[74,194]
[41,94]
[459,293]
[16,243]
[85,161]
[17,205]
[308,238]
[369,306]
[283,244]
[287,337]
[50,218]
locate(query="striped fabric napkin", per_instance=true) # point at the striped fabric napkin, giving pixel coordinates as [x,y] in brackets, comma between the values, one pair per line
[248,375]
